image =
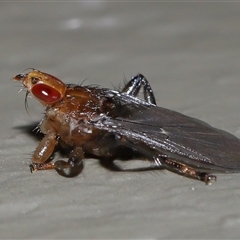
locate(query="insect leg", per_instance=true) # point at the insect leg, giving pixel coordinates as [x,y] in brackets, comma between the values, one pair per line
[187,171]
[133,87]
[43,153]
[73,166]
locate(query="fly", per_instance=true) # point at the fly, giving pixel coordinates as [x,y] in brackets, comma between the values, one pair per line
[104,122]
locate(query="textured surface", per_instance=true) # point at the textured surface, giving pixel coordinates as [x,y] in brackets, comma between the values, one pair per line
[190,53]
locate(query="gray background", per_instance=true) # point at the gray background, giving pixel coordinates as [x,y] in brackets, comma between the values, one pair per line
[190,53]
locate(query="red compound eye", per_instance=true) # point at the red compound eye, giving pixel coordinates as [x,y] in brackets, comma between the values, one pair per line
[46,93]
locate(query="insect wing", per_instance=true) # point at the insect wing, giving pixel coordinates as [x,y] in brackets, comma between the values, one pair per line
[172,134]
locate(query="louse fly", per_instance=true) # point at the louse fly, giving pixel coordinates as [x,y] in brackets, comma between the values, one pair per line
[102,122]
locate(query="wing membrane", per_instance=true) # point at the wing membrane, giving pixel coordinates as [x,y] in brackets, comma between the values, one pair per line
[180,137]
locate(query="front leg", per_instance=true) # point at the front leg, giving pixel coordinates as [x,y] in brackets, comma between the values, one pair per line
[43,153]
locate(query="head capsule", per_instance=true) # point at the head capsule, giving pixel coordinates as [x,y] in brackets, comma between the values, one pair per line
[45,87]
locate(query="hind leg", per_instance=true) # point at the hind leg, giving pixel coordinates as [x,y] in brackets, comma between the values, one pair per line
[133,87]
[189,172]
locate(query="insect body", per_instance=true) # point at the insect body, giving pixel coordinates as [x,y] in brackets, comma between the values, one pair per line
[99,121]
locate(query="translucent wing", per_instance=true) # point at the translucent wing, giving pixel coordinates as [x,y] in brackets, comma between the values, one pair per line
[174,135]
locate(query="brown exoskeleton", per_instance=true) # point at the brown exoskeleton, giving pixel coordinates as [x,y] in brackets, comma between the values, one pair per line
[99,121]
